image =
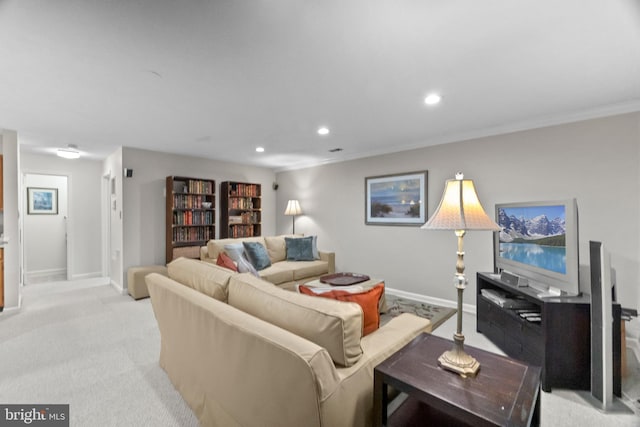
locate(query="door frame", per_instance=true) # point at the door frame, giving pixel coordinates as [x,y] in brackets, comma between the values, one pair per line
[69,222]
[106,225]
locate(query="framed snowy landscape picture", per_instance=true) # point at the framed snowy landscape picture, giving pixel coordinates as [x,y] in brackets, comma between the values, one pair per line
[42,201]
[399,199]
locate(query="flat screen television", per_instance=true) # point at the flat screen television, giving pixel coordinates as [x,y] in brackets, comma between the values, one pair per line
[539,241]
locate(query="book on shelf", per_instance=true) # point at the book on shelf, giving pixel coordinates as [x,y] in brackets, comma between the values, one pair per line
[193,186]
[241,230]
[248,190]
[192,234]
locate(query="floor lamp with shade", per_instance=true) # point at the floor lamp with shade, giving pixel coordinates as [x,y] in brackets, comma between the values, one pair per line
[460,210]
[293,209]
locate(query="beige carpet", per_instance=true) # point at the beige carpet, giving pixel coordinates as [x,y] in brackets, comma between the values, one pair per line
[435,313]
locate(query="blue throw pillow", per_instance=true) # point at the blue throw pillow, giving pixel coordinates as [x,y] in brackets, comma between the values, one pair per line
[257,254]
[314,247]
[236,253]
[234,250]
[299,249]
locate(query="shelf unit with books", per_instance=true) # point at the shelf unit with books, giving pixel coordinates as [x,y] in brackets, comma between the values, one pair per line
[190,215]
[240,209]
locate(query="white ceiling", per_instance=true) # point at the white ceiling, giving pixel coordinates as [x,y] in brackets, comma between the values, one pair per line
[217,78]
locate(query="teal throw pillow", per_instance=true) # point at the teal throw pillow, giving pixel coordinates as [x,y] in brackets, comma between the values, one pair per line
[299,249]
[257,254]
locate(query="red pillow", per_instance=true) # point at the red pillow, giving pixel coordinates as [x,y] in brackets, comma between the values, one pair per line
[223,260]
[368,300]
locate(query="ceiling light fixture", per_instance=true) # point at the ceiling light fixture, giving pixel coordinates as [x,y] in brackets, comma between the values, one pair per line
[432,99]
[260,149]
[70,152]
[323,130]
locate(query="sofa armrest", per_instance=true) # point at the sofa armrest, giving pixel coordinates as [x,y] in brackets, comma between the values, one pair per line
[356,386]
[204,255]
[330,258]
[391,337]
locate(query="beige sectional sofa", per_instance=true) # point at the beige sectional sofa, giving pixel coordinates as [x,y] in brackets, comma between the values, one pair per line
[283,273]
[243,352]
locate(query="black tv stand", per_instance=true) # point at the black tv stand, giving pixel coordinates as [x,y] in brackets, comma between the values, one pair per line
[560,342]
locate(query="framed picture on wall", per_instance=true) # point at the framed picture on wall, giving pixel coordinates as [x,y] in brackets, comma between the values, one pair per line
[399,199]
[42,201]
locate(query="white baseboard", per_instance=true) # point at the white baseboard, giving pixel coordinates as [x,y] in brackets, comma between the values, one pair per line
[467,308]
[89,276]
[118,287]
[31,276]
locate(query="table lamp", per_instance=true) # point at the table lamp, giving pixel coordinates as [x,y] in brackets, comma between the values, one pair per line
[293,209]
[460,210]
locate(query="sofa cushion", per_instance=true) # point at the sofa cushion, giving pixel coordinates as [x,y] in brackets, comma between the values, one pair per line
[335,326]
[368,300]
[257,255]
[305,269]
[223,260]
[278,273]
[276,247]
[204,277]
[299,249]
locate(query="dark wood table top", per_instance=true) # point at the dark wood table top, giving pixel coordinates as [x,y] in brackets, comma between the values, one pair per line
[504,392]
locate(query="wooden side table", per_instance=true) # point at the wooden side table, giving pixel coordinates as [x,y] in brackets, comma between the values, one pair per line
[504,392]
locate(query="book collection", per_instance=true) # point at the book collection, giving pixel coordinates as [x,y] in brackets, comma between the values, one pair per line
[191,213]
[198,186]
[193,217]
[244,190]
[241,231]
[191,234]
[241,203]
[186,201]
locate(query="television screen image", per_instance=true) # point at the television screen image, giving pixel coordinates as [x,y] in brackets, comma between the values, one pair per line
[539,241]
[534,235]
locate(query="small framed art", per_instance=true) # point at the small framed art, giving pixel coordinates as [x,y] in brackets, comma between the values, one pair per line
[42,201]
[399,199]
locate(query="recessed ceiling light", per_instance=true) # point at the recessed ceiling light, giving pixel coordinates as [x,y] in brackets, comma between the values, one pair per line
[69,153]
[432,99]
[323,130]
[260,149]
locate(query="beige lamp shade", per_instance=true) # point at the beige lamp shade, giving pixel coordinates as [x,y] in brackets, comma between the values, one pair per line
[293,208]
[460,208]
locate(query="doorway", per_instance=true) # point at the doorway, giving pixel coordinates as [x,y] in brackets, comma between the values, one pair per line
[46,228]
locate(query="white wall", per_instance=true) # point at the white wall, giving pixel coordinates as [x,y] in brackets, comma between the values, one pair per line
[144,198]
[595,161]
[84,207]
[44,236]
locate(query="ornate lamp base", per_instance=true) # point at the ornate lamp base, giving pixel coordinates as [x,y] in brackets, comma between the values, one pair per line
[459,362]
